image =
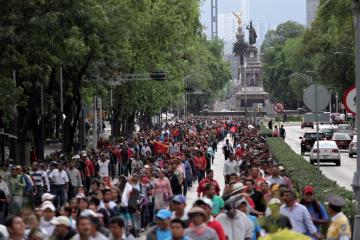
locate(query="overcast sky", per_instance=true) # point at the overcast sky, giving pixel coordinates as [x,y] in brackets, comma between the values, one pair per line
[272,11]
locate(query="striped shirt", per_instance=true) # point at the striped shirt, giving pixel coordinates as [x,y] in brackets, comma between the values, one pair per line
[38,177]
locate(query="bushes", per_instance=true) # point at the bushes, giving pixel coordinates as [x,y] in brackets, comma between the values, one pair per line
[289,118]
[264,130]
[302,173]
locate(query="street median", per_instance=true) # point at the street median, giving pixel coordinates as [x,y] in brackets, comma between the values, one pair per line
[302,173]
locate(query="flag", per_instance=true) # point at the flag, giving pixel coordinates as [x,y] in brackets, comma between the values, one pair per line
[161,147]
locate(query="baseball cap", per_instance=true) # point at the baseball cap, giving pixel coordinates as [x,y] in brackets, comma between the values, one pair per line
[205,201]
[48,205]
[308,189]
[179,199]
[195,210]
[274,201]
[163,214]
[88,213]
[47,197]
[61,220]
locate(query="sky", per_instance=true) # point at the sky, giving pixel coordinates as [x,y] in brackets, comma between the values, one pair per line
[261,11]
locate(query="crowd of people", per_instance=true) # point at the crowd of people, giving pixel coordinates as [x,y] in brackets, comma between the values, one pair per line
[140,185]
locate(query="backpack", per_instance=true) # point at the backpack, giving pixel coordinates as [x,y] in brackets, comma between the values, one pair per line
[136,200]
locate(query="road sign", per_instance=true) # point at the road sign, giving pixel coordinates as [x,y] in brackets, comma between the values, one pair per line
[349,99]
[278,107]
[323,97]
[322,117]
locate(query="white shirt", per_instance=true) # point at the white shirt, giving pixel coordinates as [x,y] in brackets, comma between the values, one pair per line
[104,168]
[59,178]
[237,228]
[231,167]
[299,217]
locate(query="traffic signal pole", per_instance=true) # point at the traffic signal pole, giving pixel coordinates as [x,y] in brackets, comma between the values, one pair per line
[356,179]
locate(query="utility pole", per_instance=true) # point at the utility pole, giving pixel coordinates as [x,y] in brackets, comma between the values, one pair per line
[62,109]
[356,179]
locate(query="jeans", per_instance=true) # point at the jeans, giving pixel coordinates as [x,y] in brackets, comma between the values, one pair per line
[144,216]
[200,175]
[60,195]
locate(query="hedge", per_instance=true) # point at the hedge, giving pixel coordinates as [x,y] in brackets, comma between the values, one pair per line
[302,173]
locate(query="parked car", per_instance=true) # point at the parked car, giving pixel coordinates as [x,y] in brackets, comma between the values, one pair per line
[308,140]
[328,152]
[345,128]
[353,147]
[307,124]
[342,140]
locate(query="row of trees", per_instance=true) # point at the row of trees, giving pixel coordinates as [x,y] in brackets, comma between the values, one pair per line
[325,51]
[94,41]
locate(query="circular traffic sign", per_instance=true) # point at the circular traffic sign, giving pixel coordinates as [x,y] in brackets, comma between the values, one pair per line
[323,97]
[349,99]
[278,107]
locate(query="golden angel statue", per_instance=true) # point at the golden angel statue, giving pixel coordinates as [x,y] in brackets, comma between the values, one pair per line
[238,16]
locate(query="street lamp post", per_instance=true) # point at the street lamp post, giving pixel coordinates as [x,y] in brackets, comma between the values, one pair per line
[309,79]
[185,94]
[42,150]
[356,179]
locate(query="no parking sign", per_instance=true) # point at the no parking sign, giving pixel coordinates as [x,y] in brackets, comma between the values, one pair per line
[349,99]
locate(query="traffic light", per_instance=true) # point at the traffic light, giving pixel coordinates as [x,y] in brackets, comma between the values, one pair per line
[158,76]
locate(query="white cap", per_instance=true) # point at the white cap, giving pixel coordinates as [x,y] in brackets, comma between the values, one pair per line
[61,220]
[88,213]
[77,156]
[274,201]
[205,200]
[48,205]
[47,197]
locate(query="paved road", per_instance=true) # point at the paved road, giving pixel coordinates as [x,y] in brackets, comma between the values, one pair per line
[342,175]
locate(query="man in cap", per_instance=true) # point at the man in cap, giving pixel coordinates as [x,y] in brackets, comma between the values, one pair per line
[339,227]
[275,221]
[199,230]
[316,209]
[162,229]
[47,197]
[48,215]
[63,230]
[179,206]
[207,205]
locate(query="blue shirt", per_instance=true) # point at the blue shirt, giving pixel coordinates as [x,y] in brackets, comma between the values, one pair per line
[257,227]
[163,234]
[323,215]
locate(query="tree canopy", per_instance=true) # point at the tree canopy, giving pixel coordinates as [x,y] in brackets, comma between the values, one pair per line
[94,42]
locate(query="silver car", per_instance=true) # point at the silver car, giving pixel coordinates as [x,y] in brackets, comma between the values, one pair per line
[345,128]
[352,146]
[328,152]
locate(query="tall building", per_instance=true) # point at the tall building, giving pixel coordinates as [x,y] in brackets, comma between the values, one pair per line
[311,10]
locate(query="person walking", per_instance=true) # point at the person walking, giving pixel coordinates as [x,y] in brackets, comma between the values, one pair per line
[162,229]
[231,166]
[282,132]
[298,214]
[339,227]
[178,227]
[61,181]
[41,182]
[316,209]
[74,178]
[162,192]
[227,149]
[209,179]
[270,125]
[198,229]
[17,186]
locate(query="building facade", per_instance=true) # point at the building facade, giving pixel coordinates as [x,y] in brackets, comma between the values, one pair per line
[311,10]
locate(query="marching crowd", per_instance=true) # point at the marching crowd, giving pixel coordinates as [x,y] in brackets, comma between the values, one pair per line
[139,187]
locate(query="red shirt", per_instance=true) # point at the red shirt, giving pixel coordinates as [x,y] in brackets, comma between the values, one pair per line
[216,225]
[204,182]
[200,163]
[89,169]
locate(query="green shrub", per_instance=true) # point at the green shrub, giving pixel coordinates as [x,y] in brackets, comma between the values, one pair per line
[302,173]
[264,130]
[292,118]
